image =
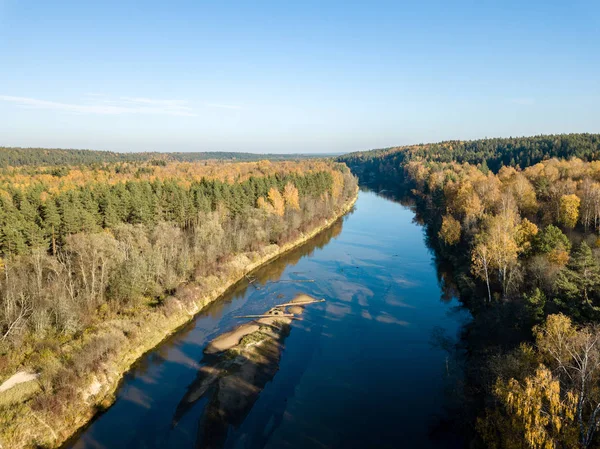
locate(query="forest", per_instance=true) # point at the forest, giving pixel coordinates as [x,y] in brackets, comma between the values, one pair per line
[93,257]
[490,153]
[15,157]
[517,220]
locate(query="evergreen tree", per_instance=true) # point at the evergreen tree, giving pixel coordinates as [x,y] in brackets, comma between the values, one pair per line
[69,207]
[552,238]
[581,277]
[51,221]
[535,304]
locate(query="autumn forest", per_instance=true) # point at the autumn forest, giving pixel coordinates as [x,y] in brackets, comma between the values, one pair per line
[517,220]
[105,255]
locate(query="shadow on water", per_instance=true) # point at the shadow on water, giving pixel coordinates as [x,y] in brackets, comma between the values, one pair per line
[231,383]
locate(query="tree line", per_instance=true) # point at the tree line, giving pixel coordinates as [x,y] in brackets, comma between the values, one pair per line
[16,157]
[494,154]
[33,217]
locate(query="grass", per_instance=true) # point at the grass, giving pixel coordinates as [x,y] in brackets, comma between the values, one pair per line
[253,338]
[19,393]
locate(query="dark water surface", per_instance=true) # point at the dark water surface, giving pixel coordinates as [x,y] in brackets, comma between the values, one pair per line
[361,370]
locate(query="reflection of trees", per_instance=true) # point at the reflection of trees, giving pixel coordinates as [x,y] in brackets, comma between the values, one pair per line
[446,281]
[215,308]
[466,356]
[160,353]
[398,196]
[274,270]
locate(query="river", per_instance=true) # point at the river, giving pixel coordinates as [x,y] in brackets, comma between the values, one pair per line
[364,369]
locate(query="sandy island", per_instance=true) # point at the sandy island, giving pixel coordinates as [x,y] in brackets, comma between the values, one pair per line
[237,366]
[279,313]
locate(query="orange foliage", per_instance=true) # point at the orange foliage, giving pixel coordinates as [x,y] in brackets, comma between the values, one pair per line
[291,197]
[277,201]
[183,173]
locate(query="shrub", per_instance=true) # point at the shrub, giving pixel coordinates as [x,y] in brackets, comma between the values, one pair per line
[96,351]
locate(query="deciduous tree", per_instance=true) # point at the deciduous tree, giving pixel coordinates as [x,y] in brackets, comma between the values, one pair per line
[569,210]
[450,230]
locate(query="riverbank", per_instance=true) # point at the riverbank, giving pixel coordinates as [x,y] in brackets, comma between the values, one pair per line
[21,426]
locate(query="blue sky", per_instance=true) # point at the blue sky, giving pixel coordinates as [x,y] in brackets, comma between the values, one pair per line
[283,76]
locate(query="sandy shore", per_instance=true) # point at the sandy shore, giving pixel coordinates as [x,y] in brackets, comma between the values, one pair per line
[229,339]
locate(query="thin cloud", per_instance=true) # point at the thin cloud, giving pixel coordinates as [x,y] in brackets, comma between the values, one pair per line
[222,106]
[525,101]
[107,106]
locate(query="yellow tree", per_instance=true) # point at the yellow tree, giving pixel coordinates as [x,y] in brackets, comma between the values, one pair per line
[488,189]
[290,195]
[450,230]
[515,183]
[537,407]
[526,232]
[277,201]
[265,205]
[569,210]
[503,248]
[524,194]
[574,353]
[337,185]
[596,204]
[465,201]
[587,202]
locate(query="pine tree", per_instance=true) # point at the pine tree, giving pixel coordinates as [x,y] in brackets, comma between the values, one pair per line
[70,212]
[581,277]
[51,221]
[535,304]
[109,212]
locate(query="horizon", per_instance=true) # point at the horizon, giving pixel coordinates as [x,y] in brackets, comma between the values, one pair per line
[101,150]
[340,153]
[304,79]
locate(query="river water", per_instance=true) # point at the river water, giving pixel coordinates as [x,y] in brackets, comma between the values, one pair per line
[364,369]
